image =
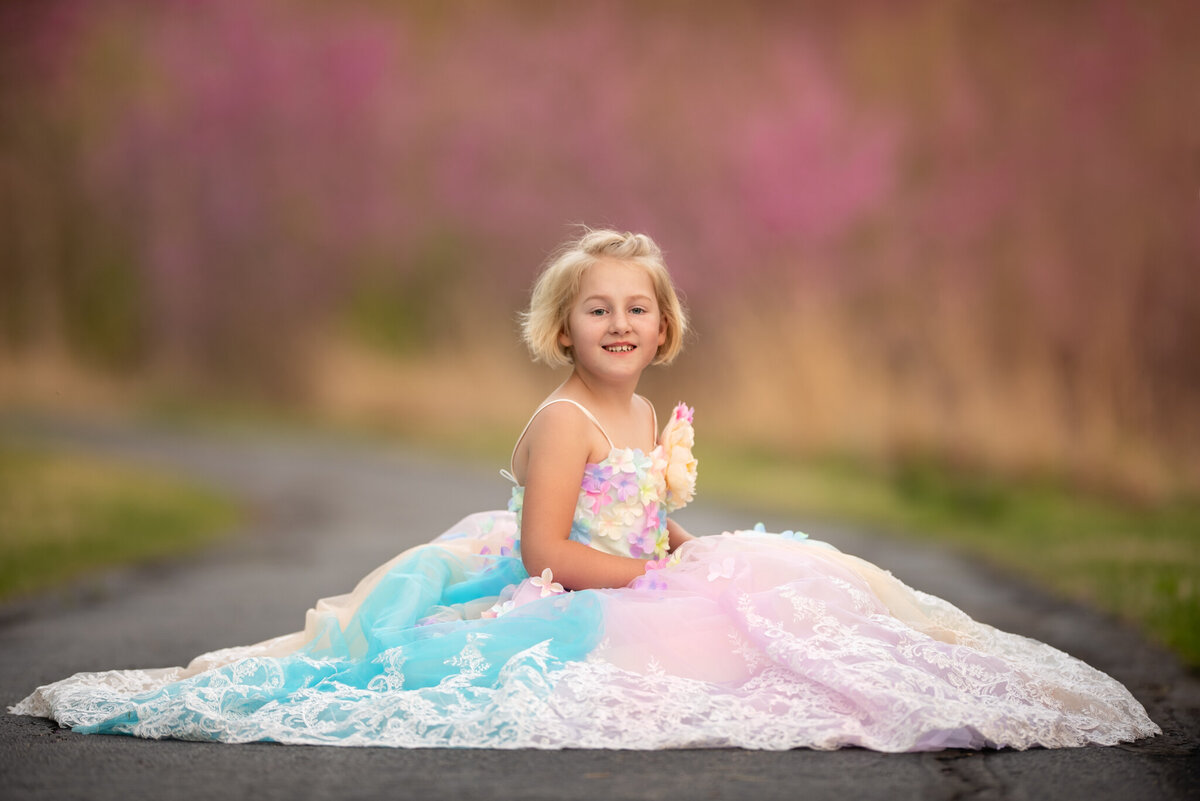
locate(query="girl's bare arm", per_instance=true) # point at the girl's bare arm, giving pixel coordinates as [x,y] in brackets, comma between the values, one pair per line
[561,442]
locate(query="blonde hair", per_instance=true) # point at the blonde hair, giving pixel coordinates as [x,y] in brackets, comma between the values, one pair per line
[558,285]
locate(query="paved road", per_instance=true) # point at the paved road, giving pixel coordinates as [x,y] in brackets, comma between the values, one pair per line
[324,513]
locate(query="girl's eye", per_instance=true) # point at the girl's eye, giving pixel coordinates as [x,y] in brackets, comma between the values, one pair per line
[596,312]
[638,310]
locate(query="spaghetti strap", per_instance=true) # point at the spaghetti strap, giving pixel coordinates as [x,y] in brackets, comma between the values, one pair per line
[510,473]
[653,417]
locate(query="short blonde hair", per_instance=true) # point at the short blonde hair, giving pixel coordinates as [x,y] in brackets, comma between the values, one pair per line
[558,285]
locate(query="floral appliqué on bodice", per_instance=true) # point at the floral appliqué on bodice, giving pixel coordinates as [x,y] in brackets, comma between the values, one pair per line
[625,498]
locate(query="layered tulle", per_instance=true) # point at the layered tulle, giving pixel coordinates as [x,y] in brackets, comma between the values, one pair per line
[748,639]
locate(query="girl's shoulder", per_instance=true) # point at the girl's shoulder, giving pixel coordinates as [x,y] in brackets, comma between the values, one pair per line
[563,416]
[562,428]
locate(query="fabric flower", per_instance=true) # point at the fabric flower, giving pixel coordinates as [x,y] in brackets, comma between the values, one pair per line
[722,570]
[654,487]
[663,541]
[596,502]
[656,564]
[627,460]
[651,578]
[647,541]
[610,529]
[625,486]
[653,536]
[596,477]
[547,583]
[581,531]
[499,608]
[596,486]
[677,440]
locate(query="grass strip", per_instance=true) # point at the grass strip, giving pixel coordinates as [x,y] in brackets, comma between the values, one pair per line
[63,516]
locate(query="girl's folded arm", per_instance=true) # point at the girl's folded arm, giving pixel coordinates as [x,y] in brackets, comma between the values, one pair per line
[560,445]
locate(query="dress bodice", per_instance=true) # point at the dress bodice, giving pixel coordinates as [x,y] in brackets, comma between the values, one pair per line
[625,498]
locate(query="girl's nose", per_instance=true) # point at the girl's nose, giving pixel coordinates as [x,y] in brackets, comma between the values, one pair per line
[619,321]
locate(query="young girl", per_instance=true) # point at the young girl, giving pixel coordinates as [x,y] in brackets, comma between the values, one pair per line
[584,617]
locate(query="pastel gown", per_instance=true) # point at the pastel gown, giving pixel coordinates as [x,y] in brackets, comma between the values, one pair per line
[746,639]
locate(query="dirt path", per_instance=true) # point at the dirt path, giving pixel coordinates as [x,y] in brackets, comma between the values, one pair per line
[324,513]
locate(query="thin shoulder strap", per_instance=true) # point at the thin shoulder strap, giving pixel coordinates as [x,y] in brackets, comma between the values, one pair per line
[510,472]
[654,417]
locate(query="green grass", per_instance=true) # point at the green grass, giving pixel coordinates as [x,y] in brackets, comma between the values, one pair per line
[63,516]
[1140,562]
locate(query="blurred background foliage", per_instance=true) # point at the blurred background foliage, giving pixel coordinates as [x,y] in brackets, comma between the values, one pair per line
[926,232]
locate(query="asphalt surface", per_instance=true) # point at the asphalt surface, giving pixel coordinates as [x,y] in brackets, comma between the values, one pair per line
[323,513]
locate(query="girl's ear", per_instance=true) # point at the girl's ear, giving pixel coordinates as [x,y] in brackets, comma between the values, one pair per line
[662,332]
[564,337]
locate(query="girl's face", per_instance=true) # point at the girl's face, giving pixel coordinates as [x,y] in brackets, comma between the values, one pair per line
[614,327]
